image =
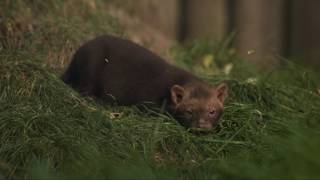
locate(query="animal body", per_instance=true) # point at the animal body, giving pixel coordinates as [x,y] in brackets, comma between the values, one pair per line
[112,68]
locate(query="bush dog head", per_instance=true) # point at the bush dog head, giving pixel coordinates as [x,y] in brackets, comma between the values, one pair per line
[198,105]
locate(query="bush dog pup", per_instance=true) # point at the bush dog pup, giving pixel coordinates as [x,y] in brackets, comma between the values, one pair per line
[109,66]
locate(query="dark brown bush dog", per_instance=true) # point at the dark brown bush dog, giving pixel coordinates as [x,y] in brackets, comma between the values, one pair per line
[113,68]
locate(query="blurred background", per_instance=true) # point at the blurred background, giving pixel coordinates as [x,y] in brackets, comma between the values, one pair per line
[263,30]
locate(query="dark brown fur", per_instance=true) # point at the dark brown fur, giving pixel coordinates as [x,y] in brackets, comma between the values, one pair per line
[112,68]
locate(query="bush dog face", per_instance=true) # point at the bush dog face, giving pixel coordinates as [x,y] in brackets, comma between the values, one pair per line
[109,66]
[198,105]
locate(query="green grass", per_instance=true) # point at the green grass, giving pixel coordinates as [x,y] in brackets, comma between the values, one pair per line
[270,127]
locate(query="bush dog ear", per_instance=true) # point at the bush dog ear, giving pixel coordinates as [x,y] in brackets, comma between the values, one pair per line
[222,92]
[177,93]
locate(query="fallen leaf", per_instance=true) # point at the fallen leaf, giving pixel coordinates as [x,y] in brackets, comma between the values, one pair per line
[207,60]
[252,80]
[158,157]
[115,115]
[227,68]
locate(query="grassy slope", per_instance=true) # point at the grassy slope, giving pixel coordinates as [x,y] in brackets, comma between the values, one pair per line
[270,127]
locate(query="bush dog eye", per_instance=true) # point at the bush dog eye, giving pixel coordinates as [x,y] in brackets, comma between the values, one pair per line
[115,69]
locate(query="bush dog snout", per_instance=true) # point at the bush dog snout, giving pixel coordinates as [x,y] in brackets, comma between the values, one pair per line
[112,68]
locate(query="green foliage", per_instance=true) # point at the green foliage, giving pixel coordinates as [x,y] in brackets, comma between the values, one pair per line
[206,56]
[270,127]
